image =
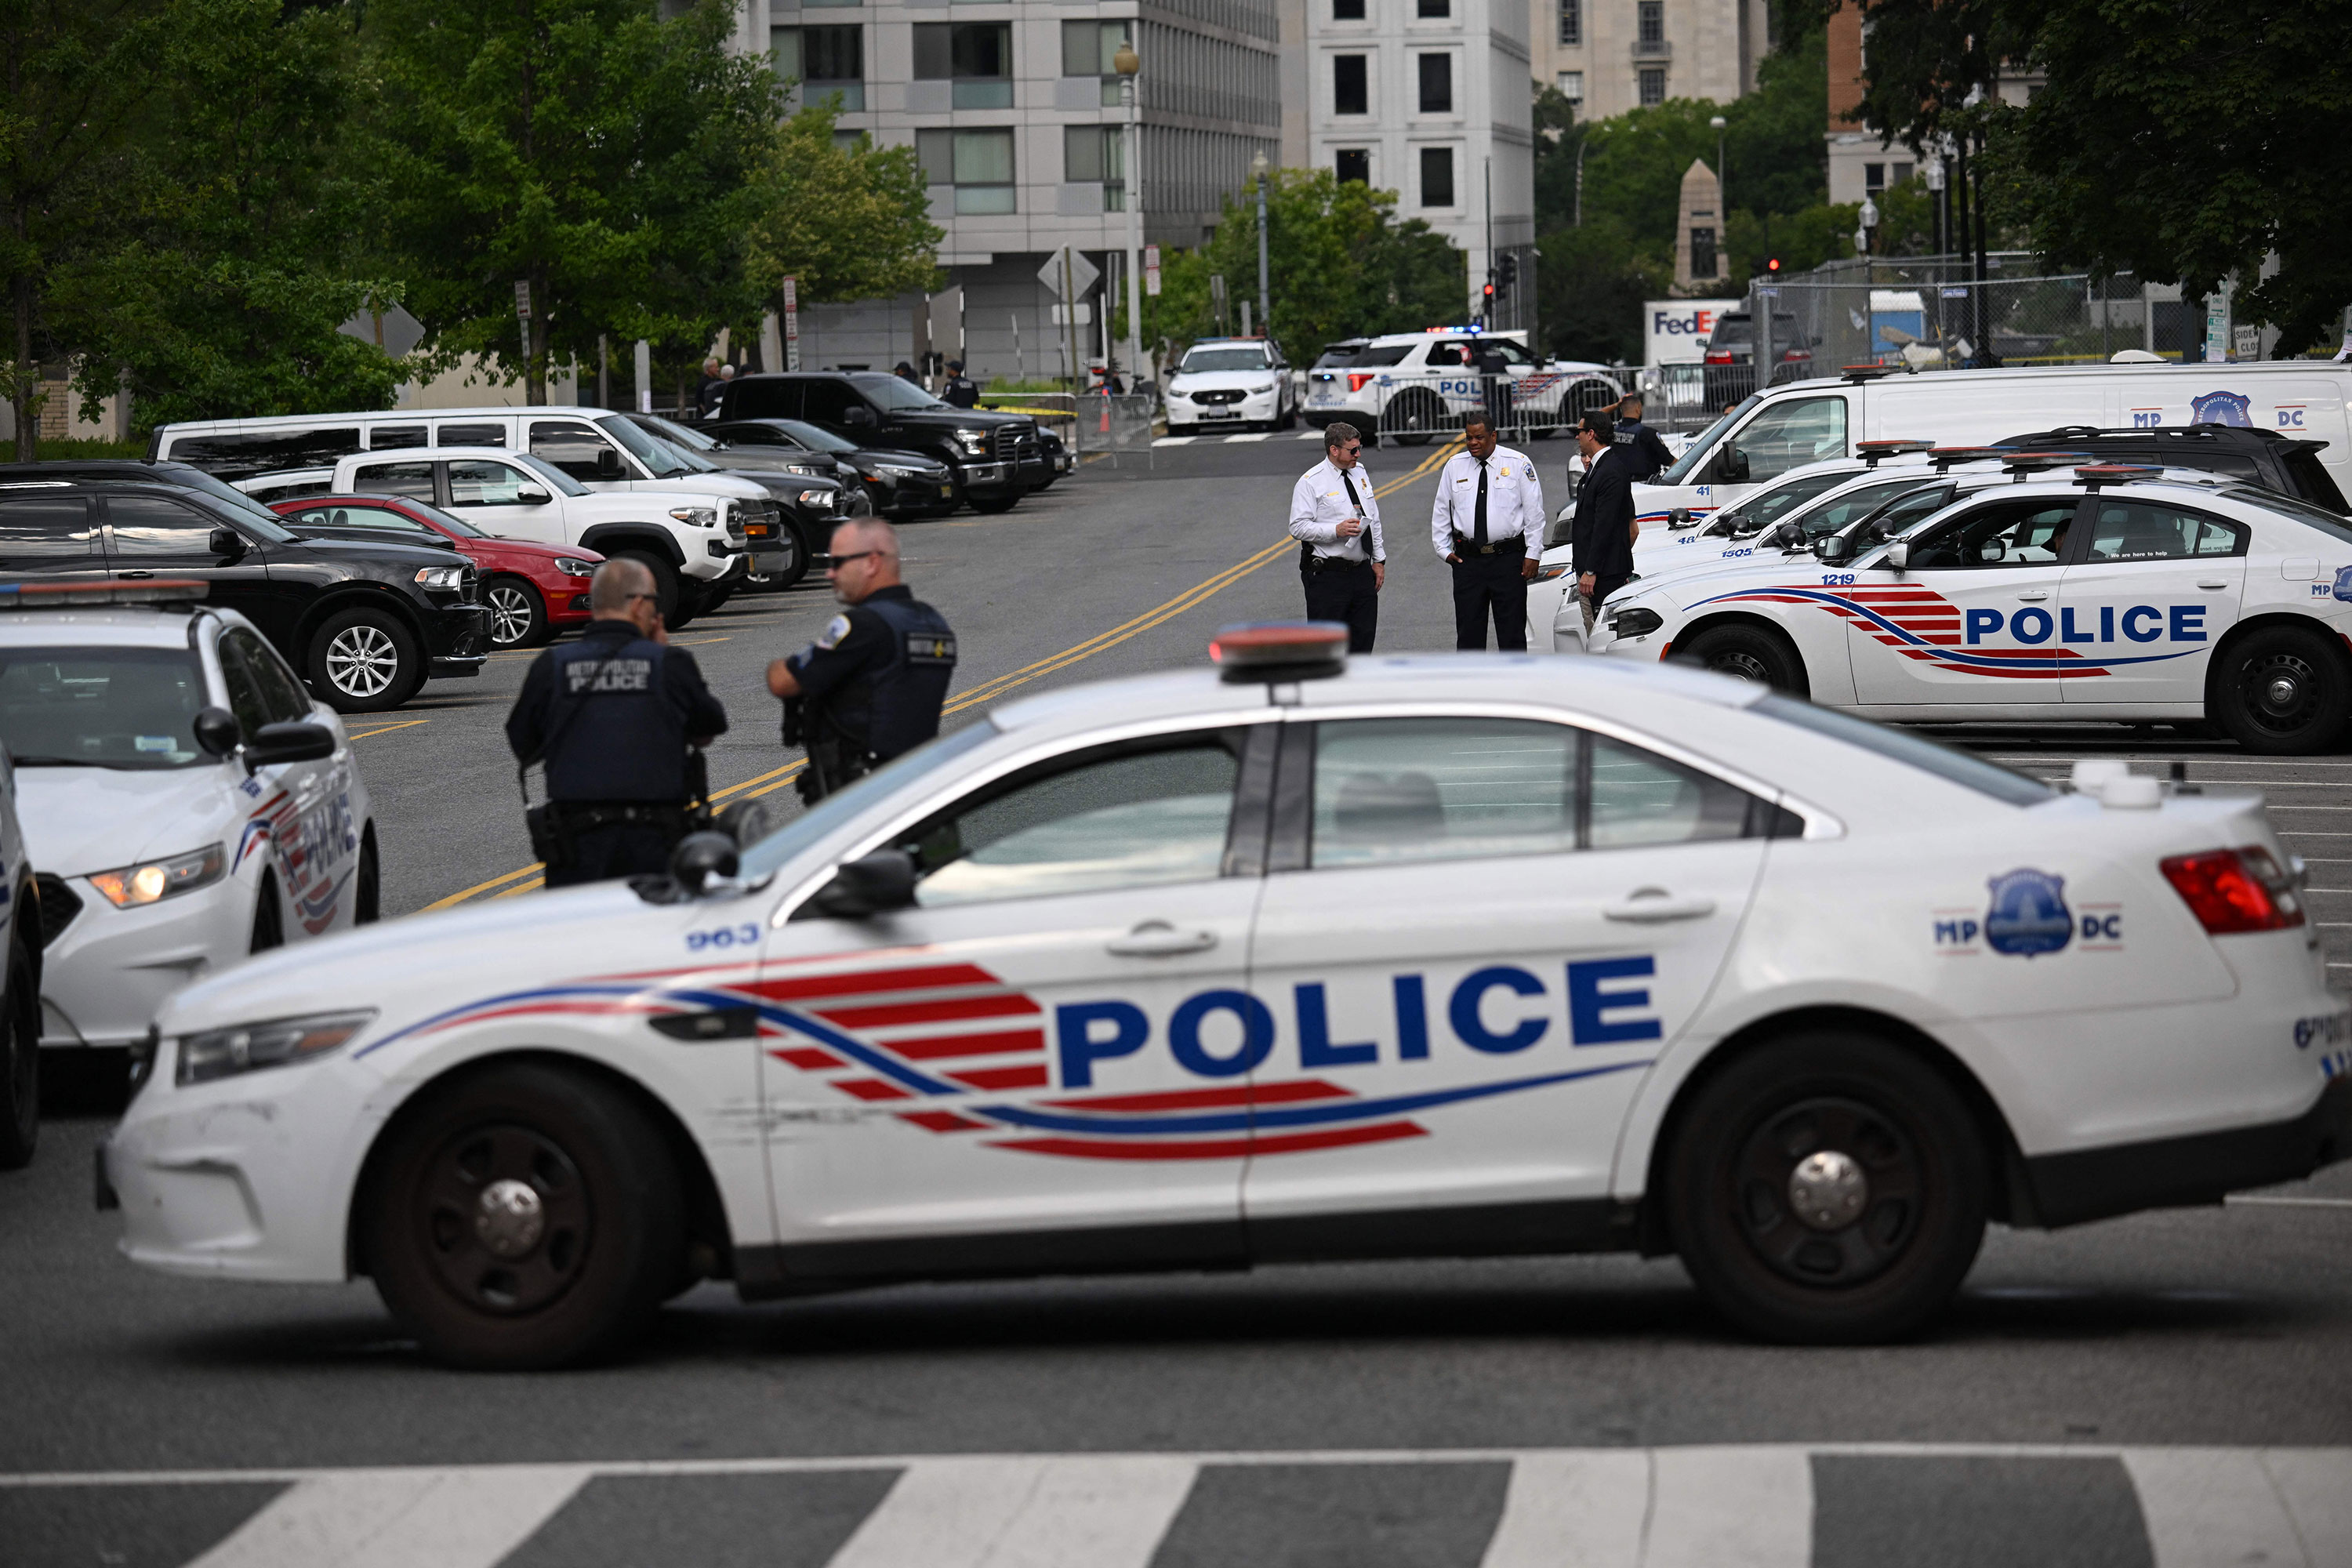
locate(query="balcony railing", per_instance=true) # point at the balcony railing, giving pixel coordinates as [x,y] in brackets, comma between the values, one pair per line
[1652,49]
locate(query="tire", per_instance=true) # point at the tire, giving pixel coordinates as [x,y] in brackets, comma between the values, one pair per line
[268,917]
[1748,653]
[717,599]
[367,891]
[590,1240]
[1880,1259]
[666,584]
[20,1064]
[795,551]
[995,504]
[365,661]
[518,613]
[2281,691]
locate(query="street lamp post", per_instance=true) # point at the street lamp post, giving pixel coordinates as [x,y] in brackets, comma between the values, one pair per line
[1722,181]
[1128,65]
[1257,172]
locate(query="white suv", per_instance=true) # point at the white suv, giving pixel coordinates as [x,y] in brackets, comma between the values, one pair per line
[1231,383]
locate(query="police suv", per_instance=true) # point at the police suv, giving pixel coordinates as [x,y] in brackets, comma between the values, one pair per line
[1414,385]
[1308,958]
[2118,592]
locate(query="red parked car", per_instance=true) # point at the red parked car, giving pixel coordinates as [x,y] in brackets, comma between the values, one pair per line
[533,590]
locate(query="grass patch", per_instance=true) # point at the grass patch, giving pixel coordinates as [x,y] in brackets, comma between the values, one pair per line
[83,451]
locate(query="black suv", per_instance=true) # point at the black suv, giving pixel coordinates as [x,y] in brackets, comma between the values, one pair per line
[2265,458]
[996,457]
[366,624]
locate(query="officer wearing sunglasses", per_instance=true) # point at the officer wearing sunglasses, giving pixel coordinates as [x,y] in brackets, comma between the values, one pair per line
[872,684]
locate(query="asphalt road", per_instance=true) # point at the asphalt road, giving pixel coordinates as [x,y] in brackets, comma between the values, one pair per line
[1583,1410]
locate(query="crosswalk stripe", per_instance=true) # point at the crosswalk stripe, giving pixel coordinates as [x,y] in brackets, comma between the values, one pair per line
[2213,1507]
[1573,1511]
[401,1518]
[1023,1513]
[1730,1507]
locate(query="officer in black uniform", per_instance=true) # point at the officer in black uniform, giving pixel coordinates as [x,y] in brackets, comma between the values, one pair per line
[612,716]
[871,685]
[961,390]
[1637,441]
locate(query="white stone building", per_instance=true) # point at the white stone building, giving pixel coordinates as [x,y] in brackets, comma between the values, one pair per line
[1611,55]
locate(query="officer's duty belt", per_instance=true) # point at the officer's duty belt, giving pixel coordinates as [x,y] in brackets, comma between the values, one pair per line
[579,817]
[1462,546]
[1328,564]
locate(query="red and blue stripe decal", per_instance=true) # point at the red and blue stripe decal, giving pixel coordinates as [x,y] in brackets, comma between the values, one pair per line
[1920,624]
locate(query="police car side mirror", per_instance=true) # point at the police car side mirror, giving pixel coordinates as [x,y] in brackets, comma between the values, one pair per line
[1731,469]
[1834,550]
[1788,536]
[860,890]
[1898,554]
[1680,517]
[217,731]
[289,742]
[698,857]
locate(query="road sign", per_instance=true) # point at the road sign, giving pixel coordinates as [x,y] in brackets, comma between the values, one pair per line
[1083,274]
[523,298]
[792,323]
[1152,270]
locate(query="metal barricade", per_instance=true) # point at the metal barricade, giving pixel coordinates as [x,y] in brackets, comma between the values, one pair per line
[1421,406]
[1115,423]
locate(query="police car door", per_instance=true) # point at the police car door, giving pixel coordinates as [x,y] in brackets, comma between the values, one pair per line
[2152,590]
[1972,618]
[1051,1049]
[1477,933]
[299,813]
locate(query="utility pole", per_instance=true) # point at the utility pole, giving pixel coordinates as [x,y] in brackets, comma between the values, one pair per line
[1487,298]
[1130,65]
[1264,300]
[1070,320]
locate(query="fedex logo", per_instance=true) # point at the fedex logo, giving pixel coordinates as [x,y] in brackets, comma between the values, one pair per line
[1499,1010]
[1697,323]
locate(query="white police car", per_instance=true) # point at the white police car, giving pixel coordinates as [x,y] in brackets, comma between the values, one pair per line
[186,800]
[1449,956]
[2122,593]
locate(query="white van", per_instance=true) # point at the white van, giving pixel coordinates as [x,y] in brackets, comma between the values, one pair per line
[690,556]
[1808,421]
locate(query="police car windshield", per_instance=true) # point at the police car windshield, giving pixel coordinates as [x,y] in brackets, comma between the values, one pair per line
[1947,762]
[2303,511]
[1704,447]
[564,483]
[660,458]
[130,708]
[771,854]
[1201,361]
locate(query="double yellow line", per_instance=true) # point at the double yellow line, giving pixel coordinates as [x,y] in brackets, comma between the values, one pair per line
[527,878]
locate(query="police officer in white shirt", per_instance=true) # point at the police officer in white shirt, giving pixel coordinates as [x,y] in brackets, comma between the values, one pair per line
[1342,558]
[1488,526]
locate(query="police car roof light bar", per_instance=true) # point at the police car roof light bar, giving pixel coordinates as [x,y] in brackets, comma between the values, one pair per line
[2025,465]
[59,595]
[2094,475]
[1945,456]
[1874,452]
[1279,650]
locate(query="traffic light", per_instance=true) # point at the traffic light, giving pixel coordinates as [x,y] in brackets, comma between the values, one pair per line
[1509,270]
[1773,267]
[1488,294]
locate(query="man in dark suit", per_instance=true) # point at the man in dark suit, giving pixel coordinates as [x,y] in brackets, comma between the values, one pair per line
[1601,537]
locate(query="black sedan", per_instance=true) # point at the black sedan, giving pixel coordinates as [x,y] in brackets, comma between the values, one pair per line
[903,486]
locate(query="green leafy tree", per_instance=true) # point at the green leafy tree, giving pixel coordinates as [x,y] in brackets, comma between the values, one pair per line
[77,75]
[1590,285]
[607,158]
[847,223]
[224,297]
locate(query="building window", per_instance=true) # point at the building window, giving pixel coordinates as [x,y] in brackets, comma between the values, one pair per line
[1346,10]
[1088,49]
[1434,10]
[978,163]
[1096,153]
[1354,163]
[1572,23]
[976,56]
[1437,176]
[1571,86]
[1348,93]
[1873,177]
[1702,253]
[1901,172]
[1437,84]
[1652,23]
[830,62]
[1653,87]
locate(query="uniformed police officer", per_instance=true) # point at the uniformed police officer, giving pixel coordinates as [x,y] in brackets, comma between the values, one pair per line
[613,715]
[960,390]
[1489,525]
[1342,558]
[871,685]
[1637,441]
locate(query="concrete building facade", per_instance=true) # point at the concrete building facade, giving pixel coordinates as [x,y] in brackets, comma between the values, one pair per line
[1609,56]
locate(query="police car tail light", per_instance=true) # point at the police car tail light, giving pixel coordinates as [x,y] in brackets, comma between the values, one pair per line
[1280,650]
[133,886]
[1359,379]
[249,1047]
[52,595]
[2233,890]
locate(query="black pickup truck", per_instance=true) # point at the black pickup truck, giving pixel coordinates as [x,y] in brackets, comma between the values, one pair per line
[2282,463]
[996,458]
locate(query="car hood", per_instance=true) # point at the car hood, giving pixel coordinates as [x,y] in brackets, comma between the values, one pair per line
[80,820]
[866,457]
[953,419]
[382,553]
[1224,380]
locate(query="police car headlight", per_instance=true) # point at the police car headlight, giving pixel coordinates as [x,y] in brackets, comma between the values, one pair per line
[571,566]
[249,1048]
[441,579]
[157,880]
[973,442]
[1546,573]
[1635,621]
[695,516]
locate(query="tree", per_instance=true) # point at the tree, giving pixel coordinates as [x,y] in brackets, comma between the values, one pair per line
[605,158]
[77,75]
[2192,141]
[1590,285]
[847,223]
[224,295]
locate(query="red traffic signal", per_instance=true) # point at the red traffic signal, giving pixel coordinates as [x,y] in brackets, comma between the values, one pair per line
[1773,265]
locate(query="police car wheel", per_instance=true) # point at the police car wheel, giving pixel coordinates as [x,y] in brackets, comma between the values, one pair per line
[524,1215]
[1748,653]
[363,661]
[20,1065]
[1828,1189]
[2282,691]
[518,613]
[367,883]
[268,920]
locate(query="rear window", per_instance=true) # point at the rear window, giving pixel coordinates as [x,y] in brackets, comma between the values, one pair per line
[1947,762]
[247,454]
[1335,355]
[2303,511]
[2314,483]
